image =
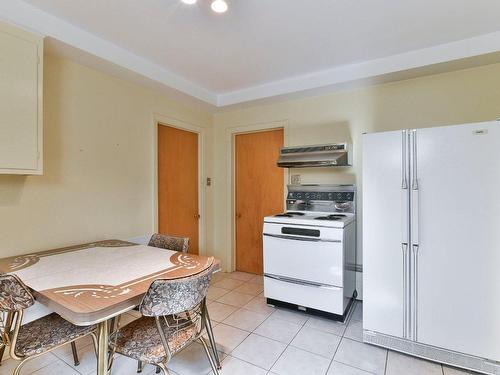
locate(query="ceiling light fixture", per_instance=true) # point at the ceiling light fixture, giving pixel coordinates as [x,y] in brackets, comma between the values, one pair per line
[219,6]
[190,2]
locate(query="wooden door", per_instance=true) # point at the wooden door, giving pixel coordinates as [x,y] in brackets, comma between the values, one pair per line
[259,192]
[178,184]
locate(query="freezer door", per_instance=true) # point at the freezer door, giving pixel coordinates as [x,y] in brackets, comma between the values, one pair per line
[385,232]
[458,254]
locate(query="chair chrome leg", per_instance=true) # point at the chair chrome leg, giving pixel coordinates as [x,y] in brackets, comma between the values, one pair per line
[163,368]
[211,337]
[75,353]
[17,370]
[2,351]
[5,334]
[209,355]
[139,366]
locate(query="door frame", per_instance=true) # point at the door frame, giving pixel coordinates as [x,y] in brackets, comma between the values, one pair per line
[231,134]
[172,122]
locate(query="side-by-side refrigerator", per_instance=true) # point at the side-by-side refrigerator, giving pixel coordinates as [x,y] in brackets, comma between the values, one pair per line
[431,243]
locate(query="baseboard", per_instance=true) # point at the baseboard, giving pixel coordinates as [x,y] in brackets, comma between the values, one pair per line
[431,353]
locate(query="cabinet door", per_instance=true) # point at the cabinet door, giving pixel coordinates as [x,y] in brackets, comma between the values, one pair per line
[20,102]
[385,228]
[458,285]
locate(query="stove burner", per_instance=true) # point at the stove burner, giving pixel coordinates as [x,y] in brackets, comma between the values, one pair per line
[290,214]
[331,217]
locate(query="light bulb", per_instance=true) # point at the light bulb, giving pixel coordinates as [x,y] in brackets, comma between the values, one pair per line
[219,6]
[190,2]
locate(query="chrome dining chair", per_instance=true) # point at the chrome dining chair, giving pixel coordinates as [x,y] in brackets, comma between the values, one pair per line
[168,242]
[165,241]
[38,337]
[174,314]
[181,244]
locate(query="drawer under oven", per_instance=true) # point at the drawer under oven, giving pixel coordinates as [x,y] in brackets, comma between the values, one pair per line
[324,298]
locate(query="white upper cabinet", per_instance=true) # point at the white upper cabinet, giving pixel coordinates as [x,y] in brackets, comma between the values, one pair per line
[21,90]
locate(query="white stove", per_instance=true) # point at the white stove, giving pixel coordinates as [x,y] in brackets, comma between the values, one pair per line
[309,250]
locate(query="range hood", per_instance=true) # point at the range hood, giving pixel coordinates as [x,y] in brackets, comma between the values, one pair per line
[328,155]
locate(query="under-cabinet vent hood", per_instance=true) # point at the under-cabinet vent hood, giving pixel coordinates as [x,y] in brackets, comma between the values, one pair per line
[329,155]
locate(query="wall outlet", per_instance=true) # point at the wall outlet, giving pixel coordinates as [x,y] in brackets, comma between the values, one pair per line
[295,179]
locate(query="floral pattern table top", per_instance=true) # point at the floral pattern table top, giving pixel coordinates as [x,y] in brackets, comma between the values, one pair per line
[91,282]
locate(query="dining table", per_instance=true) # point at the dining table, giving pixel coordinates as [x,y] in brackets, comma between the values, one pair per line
[94,283]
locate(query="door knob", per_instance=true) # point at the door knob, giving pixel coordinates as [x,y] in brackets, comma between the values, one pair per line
[238,216]
[197,216]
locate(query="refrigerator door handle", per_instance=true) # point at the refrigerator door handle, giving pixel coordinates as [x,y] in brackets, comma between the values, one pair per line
[415,193]
[414,293]
[415,202]
[405,212]
[414,183]
[404,162]
[404,248]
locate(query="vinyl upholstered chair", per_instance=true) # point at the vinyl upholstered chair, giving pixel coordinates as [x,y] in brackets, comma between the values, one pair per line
[174,314]
[39,336]
[175,243]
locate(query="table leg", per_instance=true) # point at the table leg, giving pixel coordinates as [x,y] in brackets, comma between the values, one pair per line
[102,348]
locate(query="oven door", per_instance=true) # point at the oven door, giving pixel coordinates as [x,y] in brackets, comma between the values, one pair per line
[308,253]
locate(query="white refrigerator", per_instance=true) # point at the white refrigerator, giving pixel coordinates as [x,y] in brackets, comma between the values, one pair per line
[431,243]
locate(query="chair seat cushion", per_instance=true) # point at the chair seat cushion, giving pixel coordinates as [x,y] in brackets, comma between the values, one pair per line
[140,339]
[46,333]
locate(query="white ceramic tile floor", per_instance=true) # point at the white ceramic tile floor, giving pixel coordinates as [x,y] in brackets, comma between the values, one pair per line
[234,298]
[258,304]
[220,311]
[316,341]
[278,329]
[245,319]
[214,292]
[256,339]
[298,362]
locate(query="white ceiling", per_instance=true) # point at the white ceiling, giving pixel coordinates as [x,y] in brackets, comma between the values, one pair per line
[259,44]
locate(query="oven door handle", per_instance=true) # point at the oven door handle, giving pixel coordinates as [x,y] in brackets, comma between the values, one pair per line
[307,239]
[301,282]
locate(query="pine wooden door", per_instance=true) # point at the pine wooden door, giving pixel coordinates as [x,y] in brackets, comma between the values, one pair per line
[178,212]
[259,192]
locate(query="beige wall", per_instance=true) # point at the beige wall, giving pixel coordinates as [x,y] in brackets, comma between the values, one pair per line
[458,97]
[99,163]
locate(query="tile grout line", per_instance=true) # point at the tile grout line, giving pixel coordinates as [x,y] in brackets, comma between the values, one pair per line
[288,345]
[48,364]
[340,341]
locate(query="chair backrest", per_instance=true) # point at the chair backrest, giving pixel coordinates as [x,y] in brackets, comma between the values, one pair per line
[169,242]
[168,297]
[14,295]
